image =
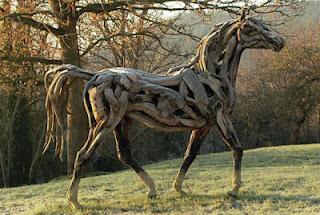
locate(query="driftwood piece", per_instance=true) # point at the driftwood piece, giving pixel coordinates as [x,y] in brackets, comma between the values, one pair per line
[118,91]
[123,106]
[183,89]
[153,112]
[149,122]
[111,98]
[165,106]
[148,77]
[198,90]
[98,109]
[163,91]
[135,98]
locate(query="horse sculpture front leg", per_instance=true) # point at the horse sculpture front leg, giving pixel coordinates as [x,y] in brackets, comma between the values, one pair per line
[230,138]
[195,141]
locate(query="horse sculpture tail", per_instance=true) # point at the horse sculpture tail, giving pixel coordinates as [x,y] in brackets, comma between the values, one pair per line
[56,102]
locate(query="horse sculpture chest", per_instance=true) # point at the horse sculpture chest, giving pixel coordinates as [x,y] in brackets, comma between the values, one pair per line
[196,97]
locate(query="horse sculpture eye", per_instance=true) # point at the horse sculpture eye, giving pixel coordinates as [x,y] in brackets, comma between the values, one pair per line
[265,28]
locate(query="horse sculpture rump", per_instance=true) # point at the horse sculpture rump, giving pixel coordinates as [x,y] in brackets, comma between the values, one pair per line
[193,97]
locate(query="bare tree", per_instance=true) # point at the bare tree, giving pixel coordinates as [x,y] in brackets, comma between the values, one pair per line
[61,19]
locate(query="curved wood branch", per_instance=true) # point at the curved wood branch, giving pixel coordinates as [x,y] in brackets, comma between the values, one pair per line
[27,20]
[20,59]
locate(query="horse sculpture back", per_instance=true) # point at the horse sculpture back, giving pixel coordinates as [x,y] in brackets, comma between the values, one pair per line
[194,97]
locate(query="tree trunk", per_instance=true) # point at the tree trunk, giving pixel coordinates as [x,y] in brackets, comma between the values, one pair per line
[3,169]
[319,125]
[35,162]
[77,124]
[308,130]
[296,131]
[76,120]
[10,138]
[295,134]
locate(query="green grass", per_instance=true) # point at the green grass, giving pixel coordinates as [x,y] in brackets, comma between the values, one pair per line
[276,180]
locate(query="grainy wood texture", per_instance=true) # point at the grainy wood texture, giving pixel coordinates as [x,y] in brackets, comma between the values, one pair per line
[192,97]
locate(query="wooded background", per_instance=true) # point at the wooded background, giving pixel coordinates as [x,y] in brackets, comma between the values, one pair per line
[278,93]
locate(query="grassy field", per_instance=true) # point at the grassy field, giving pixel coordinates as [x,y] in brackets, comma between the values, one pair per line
[276,180]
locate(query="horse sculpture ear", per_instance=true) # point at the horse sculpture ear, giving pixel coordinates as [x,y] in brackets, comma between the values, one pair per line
[245,11]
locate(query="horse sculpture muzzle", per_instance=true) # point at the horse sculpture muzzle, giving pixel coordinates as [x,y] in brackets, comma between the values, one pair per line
[278,43]
[275,40]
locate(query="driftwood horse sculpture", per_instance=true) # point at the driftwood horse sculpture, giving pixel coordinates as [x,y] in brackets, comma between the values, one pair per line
[193,97]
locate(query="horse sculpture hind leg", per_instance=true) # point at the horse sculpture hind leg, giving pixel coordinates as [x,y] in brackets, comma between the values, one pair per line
[83,157]
[230,138]
[124,155]
[195,141]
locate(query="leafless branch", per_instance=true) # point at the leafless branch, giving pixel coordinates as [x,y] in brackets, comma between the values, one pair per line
[19,59]
[31,22]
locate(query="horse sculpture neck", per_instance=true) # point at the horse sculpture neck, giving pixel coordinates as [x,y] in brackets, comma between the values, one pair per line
[219,52]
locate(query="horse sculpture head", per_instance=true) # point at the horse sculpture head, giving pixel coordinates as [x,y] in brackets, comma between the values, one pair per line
[224,44]
[253,33]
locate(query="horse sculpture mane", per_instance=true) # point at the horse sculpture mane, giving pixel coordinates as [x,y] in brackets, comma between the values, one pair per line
[194,97]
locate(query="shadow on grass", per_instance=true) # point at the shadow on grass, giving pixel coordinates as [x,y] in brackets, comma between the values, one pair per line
[246,200]
[161,204]
[175,203]
[279,198]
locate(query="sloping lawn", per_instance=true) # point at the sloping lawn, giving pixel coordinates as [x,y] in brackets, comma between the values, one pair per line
[276,180]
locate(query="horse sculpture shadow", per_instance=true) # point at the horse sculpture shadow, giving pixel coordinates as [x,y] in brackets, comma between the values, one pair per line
[177,202]
[209,203]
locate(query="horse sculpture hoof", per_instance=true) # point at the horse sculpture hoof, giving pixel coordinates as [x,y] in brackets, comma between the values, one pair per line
[233,194]
[75,205]
[179,190]
[152,194]
[181,193]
